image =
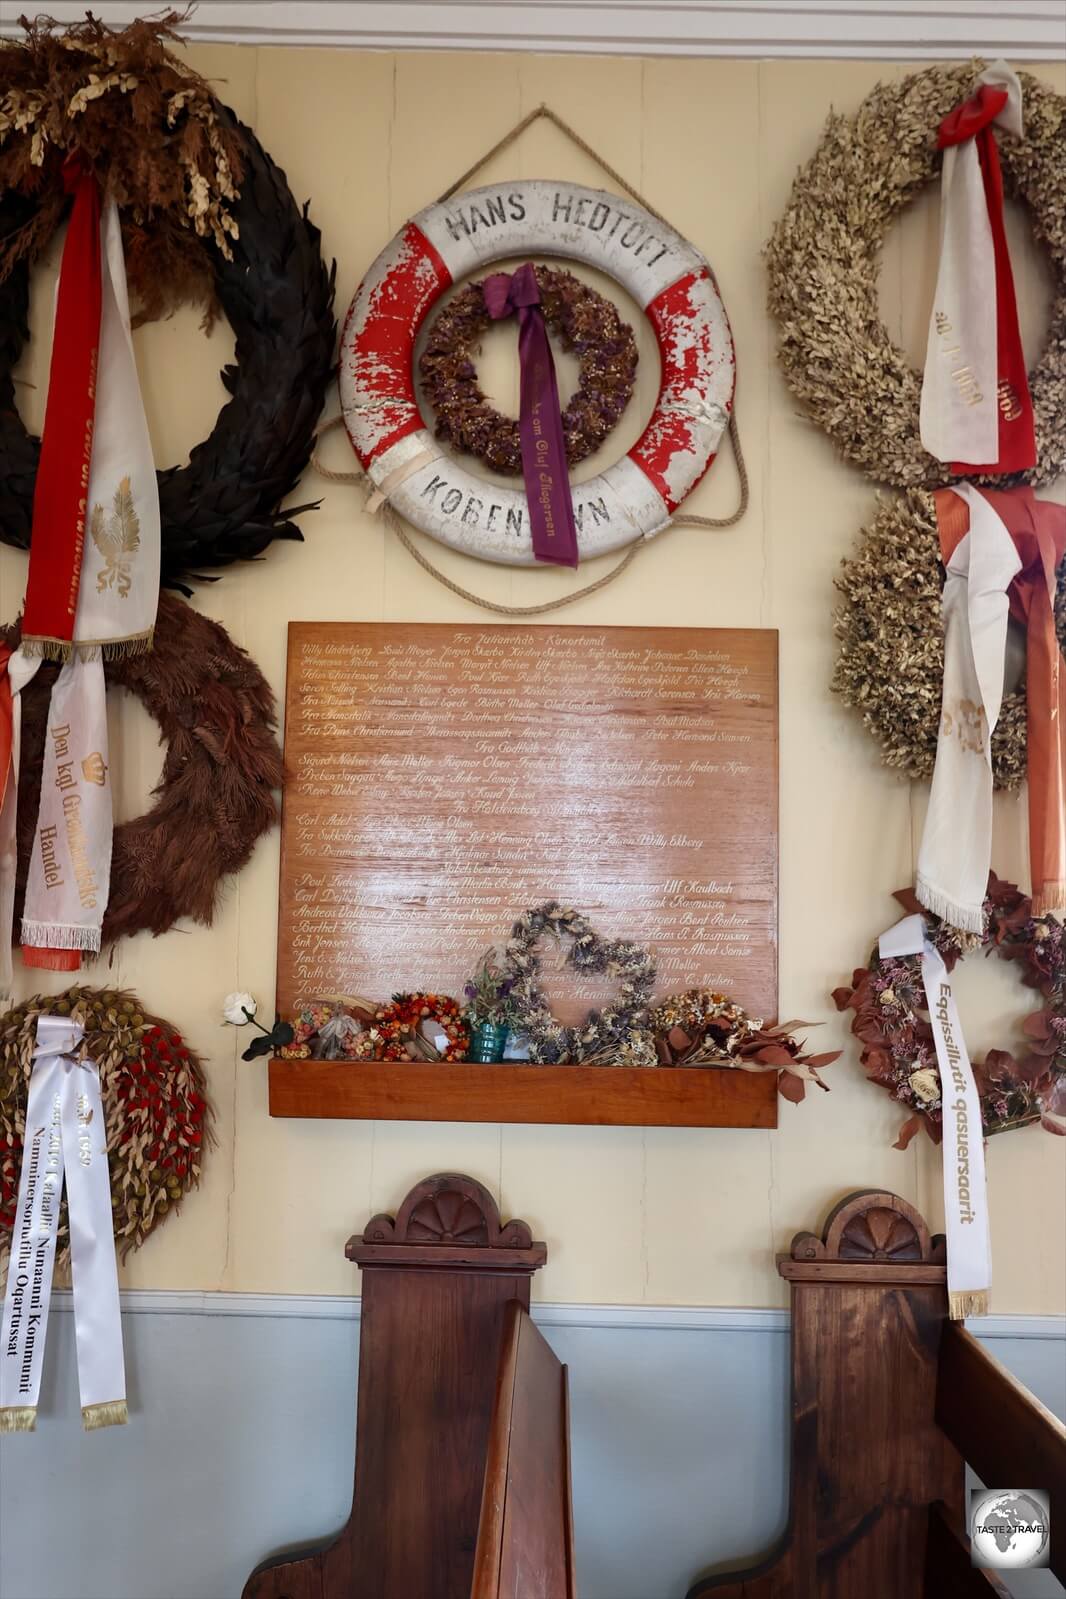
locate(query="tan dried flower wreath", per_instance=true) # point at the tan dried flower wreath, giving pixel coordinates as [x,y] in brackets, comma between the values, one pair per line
[823,261]
[890,666]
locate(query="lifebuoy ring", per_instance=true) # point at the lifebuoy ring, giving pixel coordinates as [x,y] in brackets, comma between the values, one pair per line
[668,278]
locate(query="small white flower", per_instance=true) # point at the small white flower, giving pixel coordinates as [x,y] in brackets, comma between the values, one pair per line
[238,1009]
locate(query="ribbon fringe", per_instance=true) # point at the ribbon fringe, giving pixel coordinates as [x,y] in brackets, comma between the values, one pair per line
[18,1418]
[1052,897]
[51,935]
[63,650]
[974,1302]
[113,1413]
[948,909]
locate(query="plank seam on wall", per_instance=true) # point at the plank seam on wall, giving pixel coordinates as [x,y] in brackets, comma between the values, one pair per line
[771,29]
[618,1318]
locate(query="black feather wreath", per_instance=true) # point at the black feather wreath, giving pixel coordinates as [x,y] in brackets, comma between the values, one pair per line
[277,293]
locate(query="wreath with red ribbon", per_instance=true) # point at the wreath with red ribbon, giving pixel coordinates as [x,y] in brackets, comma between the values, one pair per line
[891,1020]
[155,1106]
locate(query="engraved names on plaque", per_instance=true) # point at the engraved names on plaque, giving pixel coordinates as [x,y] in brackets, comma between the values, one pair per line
[443,779]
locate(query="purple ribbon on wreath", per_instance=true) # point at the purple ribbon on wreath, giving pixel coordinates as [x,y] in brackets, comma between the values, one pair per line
[540,423]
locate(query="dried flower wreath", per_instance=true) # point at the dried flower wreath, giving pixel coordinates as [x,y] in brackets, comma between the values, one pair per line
[215,799]
[585,322]
[155,1105]
[701,1028]
[890,1020]
[399,1027]
[824,256]
[207,217]
[890,664]
[621,1029]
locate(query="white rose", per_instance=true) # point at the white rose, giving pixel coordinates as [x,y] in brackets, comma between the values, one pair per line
[234,1007]
[926,1085]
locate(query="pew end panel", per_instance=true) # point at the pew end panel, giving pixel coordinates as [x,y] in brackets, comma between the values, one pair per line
[890,1401]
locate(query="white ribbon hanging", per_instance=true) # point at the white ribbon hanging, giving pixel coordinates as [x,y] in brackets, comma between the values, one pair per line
[65,1139]
[959,409]
[965,1190]
[956,847]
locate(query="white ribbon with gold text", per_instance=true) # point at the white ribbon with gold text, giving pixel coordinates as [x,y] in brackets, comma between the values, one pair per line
[959,410]
[70,869]
[965,1190]
[65,1140]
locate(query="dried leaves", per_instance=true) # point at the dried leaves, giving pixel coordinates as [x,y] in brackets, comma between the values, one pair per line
[151,130]
[155,1107]
[702,1028]
[824,256]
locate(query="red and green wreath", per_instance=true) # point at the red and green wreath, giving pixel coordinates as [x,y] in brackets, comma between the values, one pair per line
[1017,1087]
[155,1107]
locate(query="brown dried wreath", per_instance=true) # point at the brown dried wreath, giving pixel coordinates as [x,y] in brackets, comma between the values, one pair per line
[155,1107]
[585,322]
[824,261]
[890,665]
[215,798]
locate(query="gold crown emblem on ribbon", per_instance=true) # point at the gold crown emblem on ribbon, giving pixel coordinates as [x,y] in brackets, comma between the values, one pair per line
[94,769]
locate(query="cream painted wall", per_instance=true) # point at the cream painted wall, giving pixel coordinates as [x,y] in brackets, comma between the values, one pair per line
[660,1215]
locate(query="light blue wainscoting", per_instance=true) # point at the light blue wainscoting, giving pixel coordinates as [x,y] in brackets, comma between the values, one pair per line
[241,1443]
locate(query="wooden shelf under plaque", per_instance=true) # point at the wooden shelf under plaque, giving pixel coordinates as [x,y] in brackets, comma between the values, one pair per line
[606,1096]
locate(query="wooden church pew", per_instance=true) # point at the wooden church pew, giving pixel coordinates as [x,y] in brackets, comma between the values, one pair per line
[525,1546]
[890,1401]
[438,1281]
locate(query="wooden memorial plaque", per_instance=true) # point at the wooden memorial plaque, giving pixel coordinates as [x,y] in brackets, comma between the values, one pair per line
[443,779]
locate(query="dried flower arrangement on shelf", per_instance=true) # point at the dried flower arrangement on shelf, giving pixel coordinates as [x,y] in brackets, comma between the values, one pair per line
[891,1020]
[506,1017]
[701,1028]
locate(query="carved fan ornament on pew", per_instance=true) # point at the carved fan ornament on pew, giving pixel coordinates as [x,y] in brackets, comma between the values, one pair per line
[206,217]
[670,280]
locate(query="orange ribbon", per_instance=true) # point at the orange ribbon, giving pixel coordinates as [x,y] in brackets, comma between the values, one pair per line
[1038,529]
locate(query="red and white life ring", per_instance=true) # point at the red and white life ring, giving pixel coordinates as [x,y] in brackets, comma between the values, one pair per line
[446,242]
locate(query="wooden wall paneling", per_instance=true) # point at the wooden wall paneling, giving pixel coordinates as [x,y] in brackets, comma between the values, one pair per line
[445,778]
[437,1281]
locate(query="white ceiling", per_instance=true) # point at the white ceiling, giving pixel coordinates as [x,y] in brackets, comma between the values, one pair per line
[908,30]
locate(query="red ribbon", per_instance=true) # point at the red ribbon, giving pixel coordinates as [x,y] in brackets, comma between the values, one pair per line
[60,497]
[1038,528]
[1017,439]
[540,422]
[61,492]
